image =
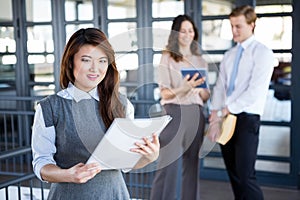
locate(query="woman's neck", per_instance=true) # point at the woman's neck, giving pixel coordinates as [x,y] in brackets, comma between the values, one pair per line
[185,51]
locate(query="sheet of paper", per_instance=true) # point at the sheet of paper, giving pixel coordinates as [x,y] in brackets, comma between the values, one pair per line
[113,151]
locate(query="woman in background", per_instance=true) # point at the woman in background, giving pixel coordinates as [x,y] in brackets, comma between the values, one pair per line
[183,101]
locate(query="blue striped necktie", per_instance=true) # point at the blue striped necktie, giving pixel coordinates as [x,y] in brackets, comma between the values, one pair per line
[234,70]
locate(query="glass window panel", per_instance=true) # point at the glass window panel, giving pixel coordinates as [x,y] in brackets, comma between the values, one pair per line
[121,9]
[132,94]
[123,36]
[174,8]
[123,90]
[7,42]
[278,105]
[216,34]
[261,165]
[42,90]
[7,68]
[216,7]
[277,109]
[162,25]
[40,69]
[79,10]
[129,82]
[280,96]
[161,32]
[40,65]
[123,75]
[8,90]
[213,61]
[36,59]
[7,60]
[50,58]
[156,61]
[6,11]
[120,28]
[127,61]
[275,32]
[284,57]
[214,162]
[274,141]
[70,29]
[273,9]
[39,39]
[49,46]
[272,166]
[7,80]
[38,10]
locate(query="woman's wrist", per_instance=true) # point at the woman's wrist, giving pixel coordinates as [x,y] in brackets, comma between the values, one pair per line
[204,94]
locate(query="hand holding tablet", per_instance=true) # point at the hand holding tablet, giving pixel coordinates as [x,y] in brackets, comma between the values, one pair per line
[192,72]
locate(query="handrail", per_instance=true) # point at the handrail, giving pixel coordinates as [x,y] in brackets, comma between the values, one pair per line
[15,112]
[20,98]
[14,152]
[17,180]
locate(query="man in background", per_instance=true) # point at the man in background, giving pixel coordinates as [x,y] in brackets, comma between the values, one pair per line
[241,89]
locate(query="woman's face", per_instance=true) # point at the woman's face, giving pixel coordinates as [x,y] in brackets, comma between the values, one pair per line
[186,34]
[90,66]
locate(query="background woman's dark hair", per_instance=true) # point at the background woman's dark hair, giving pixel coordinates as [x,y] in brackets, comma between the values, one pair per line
[173,46]
[110,105]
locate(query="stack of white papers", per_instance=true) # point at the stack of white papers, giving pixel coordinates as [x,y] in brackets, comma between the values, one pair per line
[113,151]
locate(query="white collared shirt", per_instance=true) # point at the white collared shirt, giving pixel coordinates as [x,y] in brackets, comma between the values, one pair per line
[43,138]
[252,81]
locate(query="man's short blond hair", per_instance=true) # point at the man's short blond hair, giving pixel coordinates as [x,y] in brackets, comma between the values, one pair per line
[247,11]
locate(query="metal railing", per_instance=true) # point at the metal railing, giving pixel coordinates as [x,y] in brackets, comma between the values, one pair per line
[17,180]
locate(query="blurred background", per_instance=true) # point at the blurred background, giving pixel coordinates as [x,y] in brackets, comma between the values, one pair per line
[33,34]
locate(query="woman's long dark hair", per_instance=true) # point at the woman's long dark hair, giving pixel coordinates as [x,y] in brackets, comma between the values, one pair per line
[173,46]
[110,105]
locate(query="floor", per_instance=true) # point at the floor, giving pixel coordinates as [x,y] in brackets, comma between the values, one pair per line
[215,190]
[210,190]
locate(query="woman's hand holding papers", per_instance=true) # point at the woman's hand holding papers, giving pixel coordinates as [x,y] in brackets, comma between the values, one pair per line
[79,173]
[149,151]
[82,173]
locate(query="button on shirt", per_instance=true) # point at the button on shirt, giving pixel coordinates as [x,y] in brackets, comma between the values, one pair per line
[252,81]
[44,149]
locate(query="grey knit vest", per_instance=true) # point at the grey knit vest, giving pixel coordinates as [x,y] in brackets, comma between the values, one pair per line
[78,126]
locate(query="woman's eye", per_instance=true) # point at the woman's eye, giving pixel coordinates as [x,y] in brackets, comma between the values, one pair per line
[103,61]
[85,60]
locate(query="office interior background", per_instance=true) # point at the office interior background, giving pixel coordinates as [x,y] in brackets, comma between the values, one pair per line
[33,34]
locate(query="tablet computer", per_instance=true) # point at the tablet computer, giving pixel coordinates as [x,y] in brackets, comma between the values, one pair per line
[192,71]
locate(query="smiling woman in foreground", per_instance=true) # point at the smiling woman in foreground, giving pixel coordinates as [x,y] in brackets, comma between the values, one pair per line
[68,125]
